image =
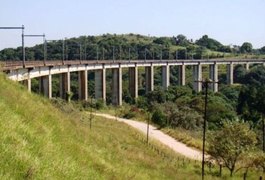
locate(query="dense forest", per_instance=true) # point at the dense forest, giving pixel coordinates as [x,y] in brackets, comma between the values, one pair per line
[130,46]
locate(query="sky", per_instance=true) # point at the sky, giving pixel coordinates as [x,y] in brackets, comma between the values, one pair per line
[228,21]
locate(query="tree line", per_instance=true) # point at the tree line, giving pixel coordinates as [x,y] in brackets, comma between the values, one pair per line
[129,46]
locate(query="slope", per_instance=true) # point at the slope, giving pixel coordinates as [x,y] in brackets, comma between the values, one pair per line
[40,141]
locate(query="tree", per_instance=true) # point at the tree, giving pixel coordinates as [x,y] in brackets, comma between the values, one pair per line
[230,143]
[159,117]
[262,50]
[209,43]
[182,40]
[239,73]
[246,47]
[251,99]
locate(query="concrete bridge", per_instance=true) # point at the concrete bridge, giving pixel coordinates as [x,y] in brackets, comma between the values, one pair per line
[44,70]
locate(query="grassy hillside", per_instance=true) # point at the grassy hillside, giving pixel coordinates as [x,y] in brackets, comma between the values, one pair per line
[39,141]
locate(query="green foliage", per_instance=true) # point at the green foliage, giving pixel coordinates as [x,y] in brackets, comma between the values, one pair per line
[186,118]
[43,140]
[158,117]
[262,50]
[246,47]
[109,46]
[212,44]
[141,102]
[158,96]
[239,74]
[218,111]
[231,94]
[182,40]
[251,100]
[230,143]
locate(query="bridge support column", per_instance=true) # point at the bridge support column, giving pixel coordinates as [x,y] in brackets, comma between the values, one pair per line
[165,76]
[45,85]
[214,77]
[149,78]
[117,86]
[133,81]
[27,83]
[100,84]
[65,85]
[197,76]
[230,72]
[182,77]
[247,67]
[82,81]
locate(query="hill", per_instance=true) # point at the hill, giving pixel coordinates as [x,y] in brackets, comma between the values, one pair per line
[41,141]
[109,46]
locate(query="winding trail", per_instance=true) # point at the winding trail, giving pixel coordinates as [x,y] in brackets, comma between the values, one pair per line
[156,134]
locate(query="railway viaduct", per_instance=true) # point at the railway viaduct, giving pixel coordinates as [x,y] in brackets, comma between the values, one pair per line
[44,70]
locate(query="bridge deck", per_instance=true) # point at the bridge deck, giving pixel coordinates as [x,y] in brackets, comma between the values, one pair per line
[12,65]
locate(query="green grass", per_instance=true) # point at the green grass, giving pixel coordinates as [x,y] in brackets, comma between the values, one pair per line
[40,141]
[44,140]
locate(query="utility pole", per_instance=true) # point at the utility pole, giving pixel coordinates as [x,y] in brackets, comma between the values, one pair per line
[80,52]
[120,51]
[85,50]
[147,130]
[263,132]
[46,47]
[145,54]
[129,54]
[103,54]
[22,35]
[38,35]
[97,54]
[63,51]
[205,84]
[91,114]
[161,55]
[113,55]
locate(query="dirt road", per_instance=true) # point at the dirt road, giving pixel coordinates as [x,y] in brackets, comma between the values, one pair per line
[165,139]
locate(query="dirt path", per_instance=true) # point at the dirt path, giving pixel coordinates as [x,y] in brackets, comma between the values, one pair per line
[165,139]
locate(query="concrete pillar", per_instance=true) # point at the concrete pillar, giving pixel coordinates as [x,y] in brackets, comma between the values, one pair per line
[82,82]
[65,85]
[214,77]
[165,76]
[230,72]
[100,84]
[133,81]
[182,77]
[27,83]
[45,85]
[117,86]
[149,78]
[247,66]
[197,76]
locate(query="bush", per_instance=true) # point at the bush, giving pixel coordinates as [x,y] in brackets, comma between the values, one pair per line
[159,118]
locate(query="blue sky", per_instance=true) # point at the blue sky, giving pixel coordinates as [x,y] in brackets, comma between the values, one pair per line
[229,21]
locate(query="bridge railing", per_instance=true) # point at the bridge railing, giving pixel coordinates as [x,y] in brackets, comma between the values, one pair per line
[13,65]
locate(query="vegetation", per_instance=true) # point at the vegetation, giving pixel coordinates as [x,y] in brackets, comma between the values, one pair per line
[234,111]
[131,46]
[235,126]
[231,143]
[40,140]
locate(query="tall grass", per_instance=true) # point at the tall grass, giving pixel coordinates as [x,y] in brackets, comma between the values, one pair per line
[40,141]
